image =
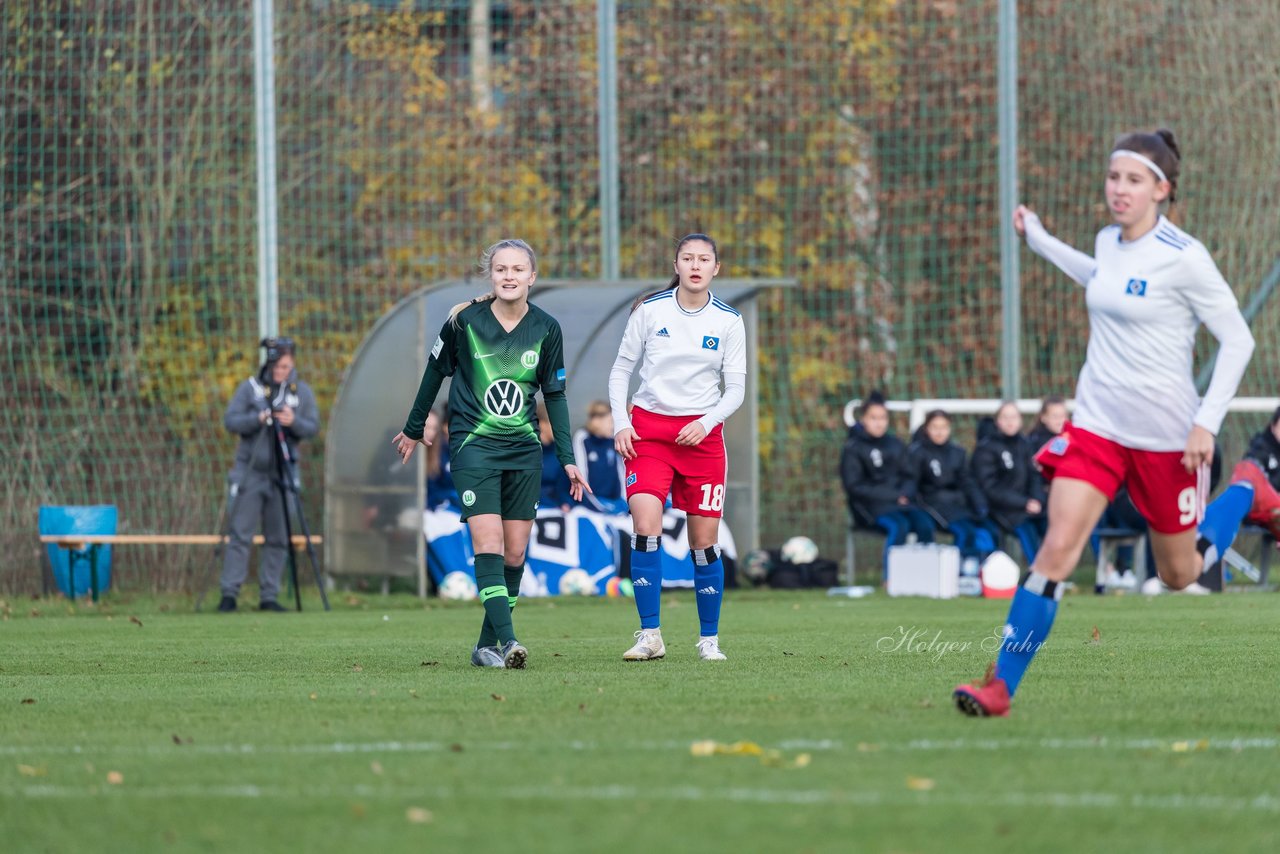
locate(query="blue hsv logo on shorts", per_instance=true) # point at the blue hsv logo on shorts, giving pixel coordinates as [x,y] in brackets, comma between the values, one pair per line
[1136,288]
[1058,445]
[631,479]
[710,343]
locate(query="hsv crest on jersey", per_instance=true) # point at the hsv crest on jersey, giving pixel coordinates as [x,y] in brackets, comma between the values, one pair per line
[710,343]
[1136,287]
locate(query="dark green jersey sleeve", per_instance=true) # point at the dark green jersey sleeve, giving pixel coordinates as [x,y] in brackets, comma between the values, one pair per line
[551,379]
[551,376]
[558,414]
[443,361]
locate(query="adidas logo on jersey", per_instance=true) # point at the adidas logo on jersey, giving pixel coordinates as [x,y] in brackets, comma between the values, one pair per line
[708,591]
[663,333]
[640,582]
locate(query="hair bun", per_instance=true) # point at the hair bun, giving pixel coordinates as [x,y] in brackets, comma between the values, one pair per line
[1167,136]
[875,396]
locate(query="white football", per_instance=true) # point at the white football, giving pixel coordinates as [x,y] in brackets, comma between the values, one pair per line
[799,550]
[458,586]
[577,582]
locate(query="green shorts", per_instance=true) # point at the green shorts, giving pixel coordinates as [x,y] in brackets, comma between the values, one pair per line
[512,494]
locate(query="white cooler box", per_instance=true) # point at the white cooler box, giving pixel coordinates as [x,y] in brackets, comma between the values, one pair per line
[931,570]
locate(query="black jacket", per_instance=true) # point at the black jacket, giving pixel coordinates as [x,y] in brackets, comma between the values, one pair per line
[873,473]
[1039,436]
[1006,477]
[1264,448]
[944,486]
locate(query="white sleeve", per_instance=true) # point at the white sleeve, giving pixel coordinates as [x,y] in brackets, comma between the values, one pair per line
[1235,348]
[1204,287]
[735,348]
[629,352]
[735,388]
[580,449]
[1069,260]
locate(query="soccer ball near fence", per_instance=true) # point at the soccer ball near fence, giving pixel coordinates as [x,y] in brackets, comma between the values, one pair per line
[458,586]
[799,550]
[577,582]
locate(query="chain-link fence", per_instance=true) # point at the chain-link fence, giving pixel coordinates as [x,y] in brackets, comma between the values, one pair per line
[850,145]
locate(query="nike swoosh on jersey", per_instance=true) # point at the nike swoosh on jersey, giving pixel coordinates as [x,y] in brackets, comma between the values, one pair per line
[482,355]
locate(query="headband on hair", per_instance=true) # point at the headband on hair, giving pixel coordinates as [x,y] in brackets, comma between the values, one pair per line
[1141,158]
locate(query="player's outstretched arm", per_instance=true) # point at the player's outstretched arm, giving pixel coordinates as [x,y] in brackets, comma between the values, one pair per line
[1068,259]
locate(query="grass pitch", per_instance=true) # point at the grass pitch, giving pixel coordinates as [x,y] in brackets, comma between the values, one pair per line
[140,726]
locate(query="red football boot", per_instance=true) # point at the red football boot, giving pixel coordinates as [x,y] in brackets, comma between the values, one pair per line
[1265,512]
[990,699]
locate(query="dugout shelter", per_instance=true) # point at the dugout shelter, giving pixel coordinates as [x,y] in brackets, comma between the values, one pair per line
[373,504]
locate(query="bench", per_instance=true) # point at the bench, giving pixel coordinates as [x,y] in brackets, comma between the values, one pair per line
[85,547]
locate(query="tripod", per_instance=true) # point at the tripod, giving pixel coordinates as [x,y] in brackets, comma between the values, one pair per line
[286,483]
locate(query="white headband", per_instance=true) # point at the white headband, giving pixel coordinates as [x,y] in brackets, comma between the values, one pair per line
[1141,158]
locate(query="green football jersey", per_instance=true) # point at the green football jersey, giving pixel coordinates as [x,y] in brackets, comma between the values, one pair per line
[492,413]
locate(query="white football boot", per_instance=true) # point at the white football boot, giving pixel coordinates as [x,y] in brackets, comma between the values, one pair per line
[648,646]
[709,649]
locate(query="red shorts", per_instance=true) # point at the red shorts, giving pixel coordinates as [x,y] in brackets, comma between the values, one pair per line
[694,477]
[1170,499]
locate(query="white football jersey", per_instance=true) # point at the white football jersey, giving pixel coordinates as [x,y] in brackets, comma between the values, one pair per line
[684,353]
[1146,299]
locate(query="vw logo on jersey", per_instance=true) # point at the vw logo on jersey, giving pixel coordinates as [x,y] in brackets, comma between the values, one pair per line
[1136,288]
[710,342]
[504,398]
[877,458]
[468,498]
[529,358]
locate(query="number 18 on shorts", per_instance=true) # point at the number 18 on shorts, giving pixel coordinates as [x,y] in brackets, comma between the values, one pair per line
[694,477]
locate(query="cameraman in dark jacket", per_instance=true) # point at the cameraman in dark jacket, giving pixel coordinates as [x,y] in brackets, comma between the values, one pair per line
[945,488]
[877,486]
[1008,479]
[275,397]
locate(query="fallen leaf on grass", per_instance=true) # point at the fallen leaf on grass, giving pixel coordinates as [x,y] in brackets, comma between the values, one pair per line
[135,621]
[1096,636]
[498,697]
[358,811]
[784,652]
[920,784]
[357,668]
[32,770]
[430,663]
[34,612]
[311,696]
[864,747]
[115,778]
[455,747]
[27,701]
[376,767]
[1188,746]
[418,815]
[177,739]
[413,693]
[772,758]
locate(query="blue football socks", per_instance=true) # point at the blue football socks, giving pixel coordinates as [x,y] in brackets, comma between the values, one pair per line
[646,578]
[708,582]
[1222,520]
[1035,604]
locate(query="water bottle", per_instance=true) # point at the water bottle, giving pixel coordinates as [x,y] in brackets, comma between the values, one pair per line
[970,584]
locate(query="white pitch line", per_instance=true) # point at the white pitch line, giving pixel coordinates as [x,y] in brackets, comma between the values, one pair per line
[1191,744]
[1264,803]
